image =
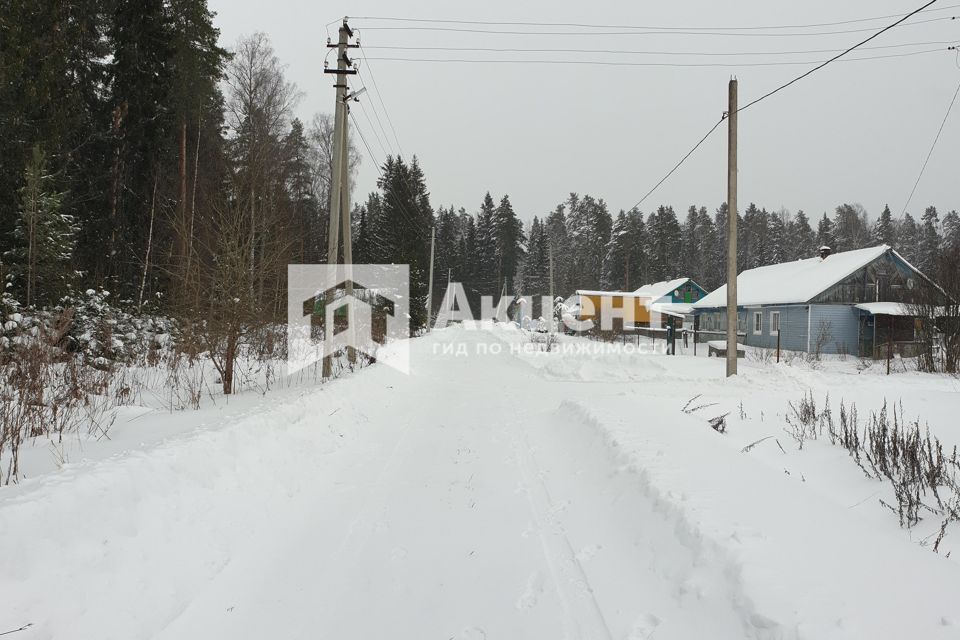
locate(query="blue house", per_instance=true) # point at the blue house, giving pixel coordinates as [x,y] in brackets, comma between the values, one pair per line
[850,303]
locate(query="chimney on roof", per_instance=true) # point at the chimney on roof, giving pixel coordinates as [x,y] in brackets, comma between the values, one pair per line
[825,252]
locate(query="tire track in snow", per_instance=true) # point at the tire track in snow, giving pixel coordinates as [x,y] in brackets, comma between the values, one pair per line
[584,619]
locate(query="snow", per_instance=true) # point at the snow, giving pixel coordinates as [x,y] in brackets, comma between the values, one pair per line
[615,294]
[793,282]
[885,308]
[658,290]
[509,493]
[672,308]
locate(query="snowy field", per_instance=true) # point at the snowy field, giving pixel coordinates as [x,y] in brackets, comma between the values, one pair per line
[502,493]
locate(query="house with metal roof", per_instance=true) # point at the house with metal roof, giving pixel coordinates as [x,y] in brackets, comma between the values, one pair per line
[853,302]
[652,304]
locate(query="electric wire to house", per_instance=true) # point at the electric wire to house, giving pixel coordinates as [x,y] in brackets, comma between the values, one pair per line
[780,88]
[933,146]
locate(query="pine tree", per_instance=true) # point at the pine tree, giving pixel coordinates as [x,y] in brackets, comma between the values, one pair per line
[44,237]
[884,230]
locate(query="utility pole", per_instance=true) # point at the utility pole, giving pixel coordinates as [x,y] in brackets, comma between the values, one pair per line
[449,305]
[550,251]
[732,230]
[339,195]
[345,222]
[433,238]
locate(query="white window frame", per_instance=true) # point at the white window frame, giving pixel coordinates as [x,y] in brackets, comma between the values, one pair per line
[758,319]
[774,323]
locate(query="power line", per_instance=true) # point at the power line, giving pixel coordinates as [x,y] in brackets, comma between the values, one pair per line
[661,53]
[780,88]
[651,32]
[615,63]
[839,55]
[376,114]
[932,147]
[373,81]
[403,210]
[375,132]
[682,160]
[623,26]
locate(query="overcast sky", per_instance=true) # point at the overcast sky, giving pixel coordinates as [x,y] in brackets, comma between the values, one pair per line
[853,132]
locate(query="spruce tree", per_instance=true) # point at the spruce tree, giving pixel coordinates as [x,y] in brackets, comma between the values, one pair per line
[825,234]
[486,277]
[537,268]
[665,238]
[509,244]
[928,246]
[558,240]
[638,248]
[884,230]
[803,240]
[405,229]
[908,239]
[44,238]
[616,268]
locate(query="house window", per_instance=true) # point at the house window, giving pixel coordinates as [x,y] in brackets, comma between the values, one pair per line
[758,322]
[774,323]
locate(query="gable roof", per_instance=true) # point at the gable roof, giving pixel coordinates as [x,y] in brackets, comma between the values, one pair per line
[794,282]
[657,290]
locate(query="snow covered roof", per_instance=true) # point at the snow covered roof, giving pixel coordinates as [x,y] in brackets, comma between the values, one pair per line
[612,294]
[678,309]
[657,290]
[793,282]
[885,308]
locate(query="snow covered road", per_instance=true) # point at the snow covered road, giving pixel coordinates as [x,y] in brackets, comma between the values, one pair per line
[450,520]
[493,496]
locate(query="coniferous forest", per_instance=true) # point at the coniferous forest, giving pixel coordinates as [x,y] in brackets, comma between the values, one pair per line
[142,159]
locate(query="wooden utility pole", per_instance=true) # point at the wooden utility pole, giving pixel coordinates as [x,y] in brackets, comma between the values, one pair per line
[433,239]
[339,196]
[732,230]
[552,314]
